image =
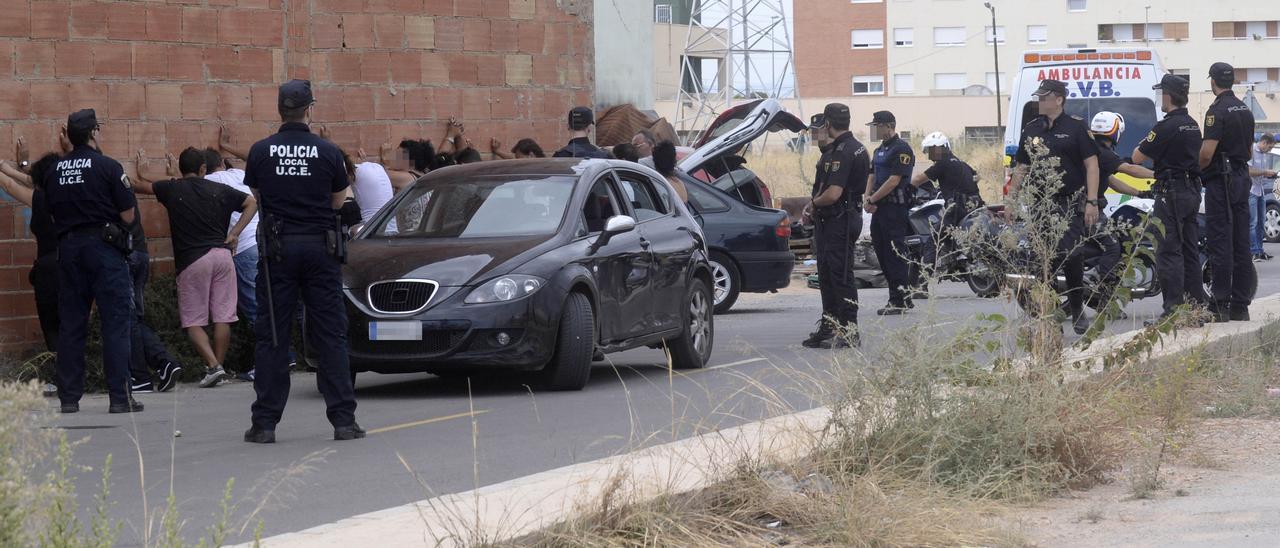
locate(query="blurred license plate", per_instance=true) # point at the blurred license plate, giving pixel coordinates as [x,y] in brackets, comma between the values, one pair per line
[395,331]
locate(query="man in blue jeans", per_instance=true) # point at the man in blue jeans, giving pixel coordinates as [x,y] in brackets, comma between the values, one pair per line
[1257,201]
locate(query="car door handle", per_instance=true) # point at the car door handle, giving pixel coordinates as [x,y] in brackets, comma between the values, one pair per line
[644,243]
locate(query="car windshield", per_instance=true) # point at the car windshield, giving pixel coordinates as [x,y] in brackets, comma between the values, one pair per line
[1139,116]
[483,207]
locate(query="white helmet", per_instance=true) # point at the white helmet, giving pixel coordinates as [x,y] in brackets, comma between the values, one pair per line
[936,139]
[1107,124]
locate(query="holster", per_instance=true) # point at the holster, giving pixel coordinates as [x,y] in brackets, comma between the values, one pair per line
[118,237]
[269,245]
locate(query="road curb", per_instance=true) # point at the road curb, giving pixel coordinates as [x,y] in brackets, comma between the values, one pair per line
[524,505]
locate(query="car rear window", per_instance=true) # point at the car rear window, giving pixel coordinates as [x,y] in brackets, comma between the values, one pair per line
[486,207]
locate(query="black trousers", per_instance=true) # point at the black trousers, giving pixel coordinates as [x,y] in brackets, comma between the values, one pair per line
[307,272]
[1226,208]
[1178,249]
[90,272]
[834,240]
[44,281]
[954,211]
[889,229]
[147,353]
[1069,258]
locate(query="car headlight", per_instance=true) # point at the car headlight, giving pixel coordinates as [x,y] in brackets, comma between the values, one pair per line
[505,288]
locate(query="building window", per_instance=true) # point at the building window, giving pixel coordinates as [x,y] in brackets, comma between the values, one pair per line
[948,36]
[1180,72]
[868,85]
[1246,30]
[662,13]
[986,31]
[904,84]
[866,1]
[991,82]
[950,80]
[868,39]
[904,37]
[1077,5]
[1037,34]
[1140,32]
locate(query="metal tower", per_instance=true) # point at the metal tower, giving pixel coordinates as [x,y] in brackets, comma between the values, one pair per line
[747,36]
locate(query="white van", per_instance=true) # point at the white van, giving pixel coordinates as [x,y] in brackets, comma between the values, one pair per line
[1116,80]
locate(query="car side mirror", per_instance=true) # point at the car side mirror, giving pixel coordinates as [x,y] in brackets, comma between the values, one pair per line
[618,224]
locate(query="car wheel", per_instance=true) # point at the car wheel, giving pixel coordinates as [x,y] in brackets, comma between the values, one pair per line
[982,281]
[575,345]
[1271,223]
[692,349]
[726,282]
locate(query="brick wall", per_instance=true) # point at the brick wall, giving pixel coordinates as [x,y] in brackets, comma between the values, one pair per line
[825,60]
[163,75]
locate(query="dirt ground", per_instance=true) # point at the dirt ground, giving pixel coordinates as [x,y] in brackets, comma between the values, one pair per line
[1222,490]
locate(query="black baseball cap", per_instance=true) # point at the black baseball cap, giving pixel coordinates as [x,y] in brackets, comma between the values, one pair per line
[581,118]
[1222,72]
[882,117]
[1173,85]
[837,113]
[82,120]
[1051,86]
[296,94]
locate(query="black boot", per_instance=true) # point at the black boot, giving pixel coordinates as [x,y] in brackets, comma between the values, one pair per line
[1239,313]
[824,333]
[130,406]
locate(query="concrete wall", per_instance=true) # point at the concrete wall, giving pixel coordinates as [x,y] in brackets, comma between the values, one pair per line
[624,56]
[668,48]
[164,74]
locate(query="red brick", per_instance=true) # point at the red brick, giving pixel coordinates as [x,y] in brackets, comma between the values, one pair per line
[234,102]
[448,34]
[496,9]
[339,6]
[448,103]
[506,35]
[88,94]
[344,68]
[357,104]
[15,100]
[556,38]
[112,61]
[326,31]
[256,4]
[406,67]
[475,35]
[256,65]
[198,102]
[270,28]
[387,106]
[374,134]
[420,32]
[463,70]
[532,36]
[164,23]
[147,136]
[265,108]
[199,25]
[394,6]
[74,59]
[127,21]
[16,21]
[126,100]
[468,8]
[186,63]
[6,58]
[48,100]
[375,66]
[237,27]
[388,31]
[221,63]
[357,31]
[521,9]
[164,101]
[34,59]
[89,20]
[475,104]
[503,104]
[490,70]
[435,68]
[50,20]
[155,220]
[440,7]
[546,70]
[329,104]
[419,103]
[24,252]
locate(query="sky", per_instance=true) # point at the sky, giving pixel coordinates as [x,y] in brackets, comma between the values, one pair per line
[768,68]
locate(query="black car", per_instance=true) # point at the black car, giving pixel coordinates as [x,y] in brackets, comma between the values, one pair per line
[530,265]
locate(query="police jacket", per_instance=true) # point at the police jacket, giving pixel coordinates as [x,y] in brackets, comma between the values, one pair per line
[86,189]
[1230,123]
[580,148]
[894,157]
[955,177]
[296,174]
[1174,145]
[1068,139]
[845,164]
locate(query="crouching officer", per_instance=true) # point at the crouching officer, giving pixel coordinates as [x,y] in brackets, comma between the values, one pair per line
[838,222]
[888,200]
[958,184]
[92,202]
[300,181]
[1224,165]
[1173,146]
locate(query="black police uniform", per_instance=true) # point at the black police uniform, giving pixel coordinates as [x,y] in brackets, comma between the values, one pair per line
[1067,138]
[958,184]
[148,355]
[86,191]
[1174,148]
[889,223]
[1112,252]
[294,174]
[844,164]
[1226,203]
[580,148]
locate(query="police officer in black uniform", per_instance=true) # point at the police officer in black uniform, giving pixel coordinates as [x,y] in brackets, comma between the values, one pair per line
[1066,138]
[837,218]
[580,121]
[300,181]
[1173,146]
[888,200]
[1224,165]
[91,200]
[957,184]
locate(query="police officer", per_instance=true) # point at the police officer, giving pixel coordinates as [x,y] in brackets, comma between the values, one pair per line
[300,181]
[1173,146]
[888,200]
[1067,139]
[580,121]
[92,202]
[957,183]
[1224,165]
[838,222]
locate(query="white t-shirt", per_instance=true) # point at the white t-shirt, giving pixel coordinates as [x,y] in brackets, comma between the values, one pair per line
[234,178]
[372,189]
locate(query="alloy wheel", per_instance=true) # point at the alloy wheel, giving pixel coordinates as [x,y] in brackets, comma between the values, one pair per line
[721,282]
[700,322]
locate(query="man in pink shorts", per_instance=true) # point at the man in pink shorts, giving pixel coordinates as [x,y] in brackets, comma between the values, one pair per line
[199,216]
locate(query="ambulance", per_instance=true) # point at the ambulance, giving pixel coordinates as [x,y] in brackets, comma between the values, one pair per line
[1117,80]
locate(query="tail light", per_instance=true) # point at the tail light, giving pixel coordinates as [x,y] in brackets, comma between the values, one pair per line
[783,230]
[766,197]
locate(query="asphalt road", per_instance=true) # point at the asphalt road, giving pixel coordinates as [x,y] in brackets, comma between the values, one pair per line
[430,436]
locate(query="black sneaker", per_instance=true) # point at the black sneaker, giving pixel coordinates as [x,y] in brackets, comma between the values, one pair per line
[131,406]
[892,310]
[168,376]
[144,387]
[1239,313]
[1266,256]
[1221,313]
[259,435]
[68,408]
[344,433]
[1080,324]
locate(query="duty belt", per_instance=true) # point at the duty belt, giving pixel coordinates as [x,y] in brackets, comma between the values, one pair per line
[83,230]
[1183,181]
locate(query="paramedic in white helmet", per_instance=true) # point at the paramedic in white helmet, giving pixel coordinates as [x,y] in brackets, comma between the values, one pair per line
[1106,128]
[958,183]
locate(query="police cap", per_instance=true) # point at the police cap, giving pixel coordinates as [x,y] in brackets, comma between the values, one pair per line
[581,118]
[837,113]
[1173,85]
[1222,73]
[296,94]
[1057,87]
[82,121]
[883,117]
